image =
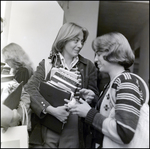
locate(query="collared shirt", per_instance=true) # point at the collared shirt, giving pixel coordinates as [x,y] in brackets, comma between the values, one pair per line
[73,63]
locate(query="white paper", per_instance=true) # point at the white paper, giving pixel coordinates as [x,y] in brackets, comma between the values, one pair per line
[15,137]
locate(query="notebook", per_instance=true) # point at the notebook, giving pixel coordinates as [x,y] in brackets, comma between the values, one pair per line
[13,99]
[55,96]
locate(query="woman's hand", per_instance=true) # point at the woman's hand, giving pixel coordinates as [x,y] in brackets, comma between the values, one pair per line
[9,117]
[15,119]
[60,112]
[87,94]
[81,109]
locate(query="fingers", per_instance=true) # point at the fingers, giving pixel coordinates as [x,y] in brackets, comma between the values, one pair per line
[64,119]
[75,112]
[83,90]
[89,97]
[81,100]
[66,100]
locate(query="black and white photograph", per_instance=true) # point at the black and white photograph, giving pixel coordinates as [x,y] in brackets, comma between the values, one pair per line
[75,74]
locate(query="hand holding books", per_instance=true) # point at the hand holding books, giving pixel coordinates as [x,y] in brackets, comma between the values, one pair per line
[57,112]
[63,84]
[87,94]
[60,112]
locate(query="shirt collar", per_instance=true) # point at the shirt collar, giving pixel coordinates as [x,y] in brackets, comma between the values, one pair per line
[73,63]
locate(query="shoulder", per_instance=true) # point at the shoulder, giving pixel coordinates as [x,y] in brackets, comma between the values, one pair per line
[126,78]
[22,70]
[85,61]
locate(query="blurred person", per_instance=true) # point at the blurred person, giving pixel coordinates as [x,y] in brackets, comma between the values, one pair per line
[113,56]
[16,116]
[18,60]
[65,53]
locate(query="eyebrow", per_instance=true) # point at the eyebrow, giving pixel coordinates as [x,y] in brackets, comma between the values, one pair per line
[78,39]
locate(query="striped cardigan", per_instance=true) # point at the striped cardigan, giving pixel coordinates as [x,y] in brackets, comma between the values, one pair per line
[121,126]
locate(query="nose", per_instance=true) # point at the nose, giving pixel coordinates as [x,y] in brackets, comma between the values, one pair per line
[80,44]
[96,58]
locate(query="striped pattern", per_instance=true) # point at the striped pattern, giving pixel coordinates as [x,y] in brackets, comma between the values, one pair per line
[57,79]
[128,104]
[74,69]
[66,78]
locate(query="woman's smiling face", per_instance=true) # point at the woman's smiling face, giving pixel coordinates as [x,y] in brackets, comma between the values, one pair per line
[102,64]
[74,46]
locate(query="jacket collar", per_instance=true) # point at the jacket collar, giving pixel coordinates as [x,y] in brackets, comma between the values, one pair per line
[82,59]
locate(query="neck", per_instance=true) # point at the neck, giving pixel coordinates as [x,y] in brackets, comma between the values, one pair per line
[116,71]
[68,58]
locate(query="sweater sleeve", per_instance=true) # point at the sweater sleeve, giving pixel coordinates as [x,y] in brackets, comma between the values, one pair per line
[38,103]
[128,104]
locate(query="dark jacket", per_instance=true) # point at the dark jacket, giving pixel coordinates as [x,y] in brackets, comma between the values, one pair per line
[38,103]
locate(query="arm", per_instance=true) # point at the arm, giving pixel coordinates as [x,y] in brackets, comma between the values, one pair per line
[38,103]
[25,101]
[6,116]
[9,117]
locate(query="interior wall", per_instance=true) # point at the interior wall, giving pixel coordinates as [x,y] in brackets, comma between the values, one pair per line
[142,40]
[85,13]
[6,11]
[34,26]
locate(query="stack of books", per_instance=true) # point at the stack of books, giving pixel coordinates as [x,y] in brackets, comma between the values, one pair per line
[62,85]
[64,79]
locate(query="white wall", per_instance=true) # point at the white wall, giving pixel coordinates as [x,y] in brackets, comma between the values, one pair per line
[5,10]
[34,26]
[85,13]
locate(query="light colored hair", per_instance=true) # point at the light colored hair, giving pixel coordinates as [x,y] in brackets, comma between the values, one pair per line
[67,32]
[116,47]
[17,55]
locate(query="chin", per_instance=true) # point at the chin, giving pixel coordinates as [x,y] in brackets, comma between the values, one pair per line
[75,55]
[101,69]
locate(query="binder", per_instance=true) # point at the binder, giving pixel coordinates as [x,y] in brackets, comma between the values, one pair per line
[13,99]
[55,96]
